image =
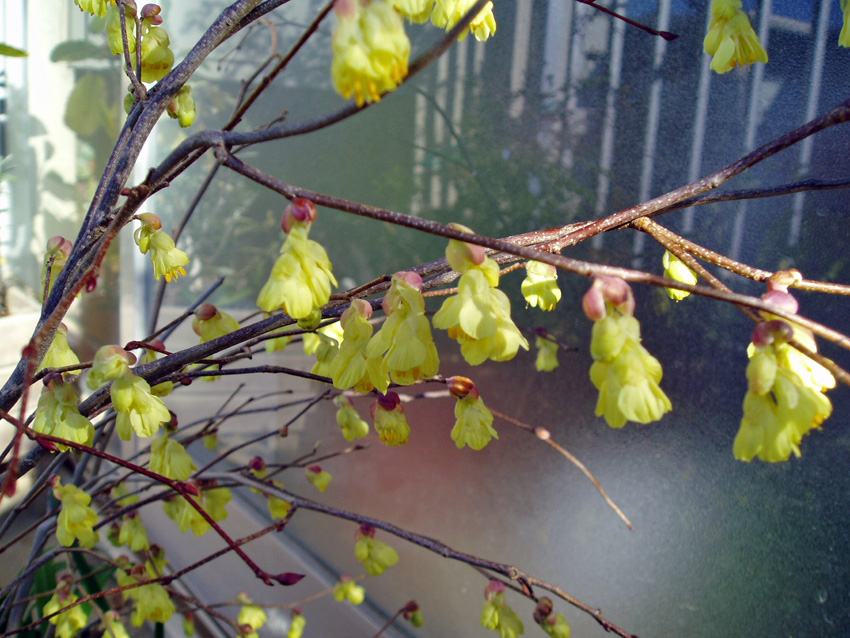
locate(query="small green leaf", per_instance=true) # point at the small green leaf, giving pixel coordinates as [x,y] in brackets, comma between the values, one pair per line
[84,113]
[12,52]
[76,50]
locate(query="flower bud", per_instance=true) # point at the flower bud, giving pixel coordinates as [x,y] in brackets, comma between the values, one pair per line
[287,579]
[311,321]
[205,312]
[461,387]
[150,220]
[299,210]
[783,300]
[150,10]
[462,255]
[593,304]
[389,401]
[781,279]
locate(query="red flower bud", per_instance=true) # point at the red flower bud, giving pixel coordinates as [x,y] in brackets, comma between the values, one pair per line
[287,579]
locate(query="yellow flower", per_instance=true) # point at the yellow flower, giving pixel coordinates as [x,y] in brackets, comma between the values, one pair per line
[375,555]
[112,626]
[252,615]
[319,477]
[59,354]
[68,623]
[157,57]
[95,7]
[479,318]
[278,508]
[403,348]
[781,406]
[844,36]
[160,389]
[348,368]
[474,425]
[625,374]
[348,590]
[731,39]
[547,354]
[540,287]
[57,415]
[675,269]
[390,422]
[302,277]
[152,603]
[370,49]
[169,458]
[76,519]
[110,362]
[417,11]
[182,107]
[448,13]
[296,629]
[187,517]
[167,259]
[133,533]
[497,614]
[138,409]
[352,426]
[113,30]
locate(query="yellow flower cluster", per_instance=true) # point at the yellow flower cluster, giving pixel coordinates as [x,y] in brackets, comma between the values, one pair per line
[474,425]
[167,259]
[785,395]
[187,517]
[370,50]
[57,415]
[478,317]
[677,270]
[540,287]
[375,555]
[301,278]
[625,374]
[844,36]
[69,622]
[731,39]
[497,614]
[76,520]
[349,590]
[403,348]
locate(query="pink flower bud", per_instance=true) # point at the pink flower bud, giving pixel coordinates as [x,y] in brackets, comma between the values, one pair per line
[618,293]
[781,279]
[257,464]
[299,210]
[414,280]
[768,332]
[206,311]
[346,8]
[315,469]
[782,300]
[150,10]
[542,433]
[150,220]
[493,587]
[50,446]
[389,402]
[366,530]
[190,488]
[593,304]
[91,283]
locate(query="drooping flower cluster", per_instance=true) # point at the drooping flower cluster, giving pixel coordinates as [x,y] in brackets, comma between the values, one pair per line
[77,519]
[301,278]
[555,625]
[157,56]
[348,368]
[296,626]
[151,601]
[497,614]
[403,349]
[349,590]
[375,555]
[138,409]
[349,421]
[478,317]
[785,396]
[547,352]
[211,499]
[133,533]
[370,49]
[59,354]
[169,458]
[540,286]
[625,374]
[731,39]
[844,36]
[447,13]
[252,615]
[58,414]
[390,422]
[95,7]
[474,425]
[167,259]
[677,270]
[318,477]
[69,622]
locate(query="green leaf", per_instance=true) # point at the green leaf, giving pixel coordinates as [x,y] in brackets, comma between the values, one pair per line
[84,113]
[76,50]
[12,52]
